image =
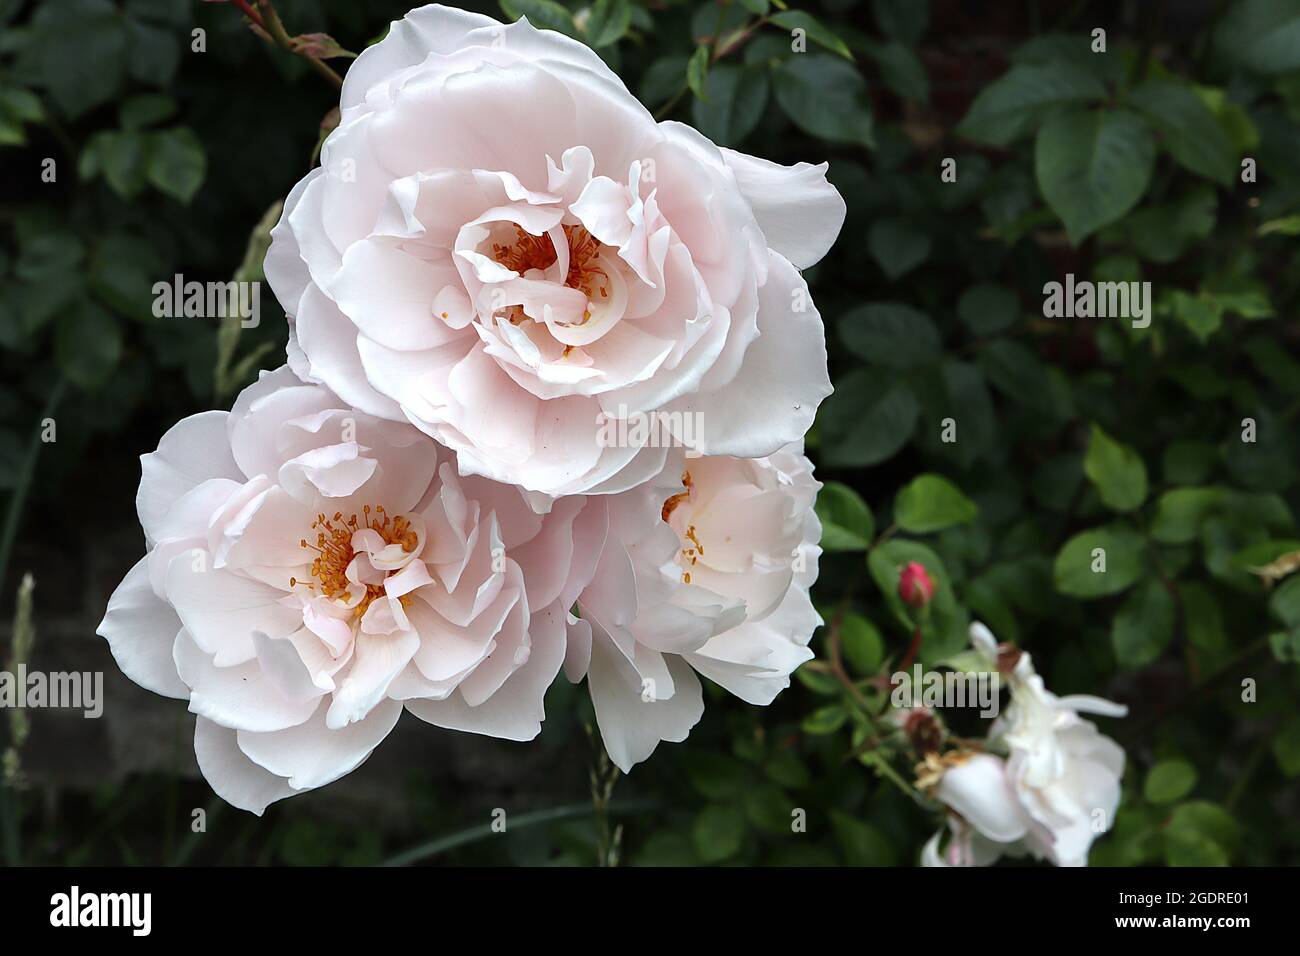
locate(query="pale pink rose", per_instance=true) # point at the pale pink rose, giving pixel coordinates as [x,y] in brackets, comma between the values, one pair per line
[312,569]
[705,569]
[503,246]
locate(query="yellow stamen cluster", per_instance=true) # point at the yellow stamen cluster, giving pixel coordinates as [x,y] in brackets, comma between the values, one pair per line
[693,553]
[933,766]
[334,551]
[538,252]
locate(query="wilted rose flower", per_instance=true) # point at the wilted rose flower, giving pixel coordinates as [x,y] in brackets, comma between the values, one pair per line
[707,569]
[914,585]
[1064,770]
[974,786]
[503,246]
[1056,790]
[311,569]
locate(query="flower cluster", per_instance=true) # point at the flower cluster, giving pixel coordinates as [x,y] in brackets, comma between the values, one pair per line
[500,250]
[1045,782]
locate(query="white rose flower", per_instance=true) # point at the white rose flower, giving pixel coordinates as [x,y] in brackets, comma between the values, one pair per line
[707,570]
[312,569]
[503,247]
[1057,789]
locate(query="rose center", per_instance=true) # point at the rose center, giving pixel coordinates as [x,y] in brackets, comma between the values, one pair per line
[586,273]
[334,551]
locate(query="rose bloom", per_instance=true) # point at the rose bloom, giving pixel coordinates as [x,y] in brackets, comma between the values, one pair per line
[503,247]
[705,569]
[312,569]
[1057,789]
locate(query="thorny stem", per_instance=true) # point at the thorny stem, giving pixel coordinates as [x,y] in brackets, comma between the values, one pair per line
[249,12]
[269,25]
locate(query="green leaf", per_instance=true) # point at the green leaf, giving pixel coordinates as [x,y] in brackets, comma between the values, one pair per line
[1144,625]
[608,22]
[154,54]
[866,420]
[122,271]
[1184,848]
[1191,133]
[1013,104]
[769,808]
[931,503]
[862,645]
[176,163]
[1119,562]
[824,96]
[1262,35]
[1285,646]
[891,334]
[785,769]
[861,843]
[813,29]
[847,524]
[903,20]
[122,157]
[1200,833]
[825,720]
[1200,313]
[543,14]
[1169,780]
[1163,233]
[49,256]
[902,70]
[1282,226]
[20,104]
[987,308]
[1181,511]
[663,79]
[1015,371]
[1116,470]
[819,683]
[83,49]
[718,832]
[697,71]
[1093,167]
[1203,617]
[145,109]
[1286,747]
[733,102]
[11,132]
[965,399]
[898,246]
[1285,602]
[87,344]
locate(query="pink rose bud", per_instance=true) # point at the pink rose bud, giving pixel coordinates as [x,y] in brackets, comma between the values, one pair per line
[914,585]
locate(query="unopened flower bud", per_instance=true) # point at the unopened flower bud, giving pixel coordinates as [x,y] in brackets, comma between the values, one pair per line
[915,586]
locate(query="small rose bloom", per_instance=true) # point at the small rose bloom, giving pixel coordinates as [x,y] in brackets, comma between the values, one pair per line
[1058,786]
[313,570]
[914,585]
[704,570]
[502,246]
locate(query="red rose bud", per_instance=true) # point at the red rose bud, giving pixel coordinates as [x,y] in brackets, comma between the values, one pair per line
[914,585]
